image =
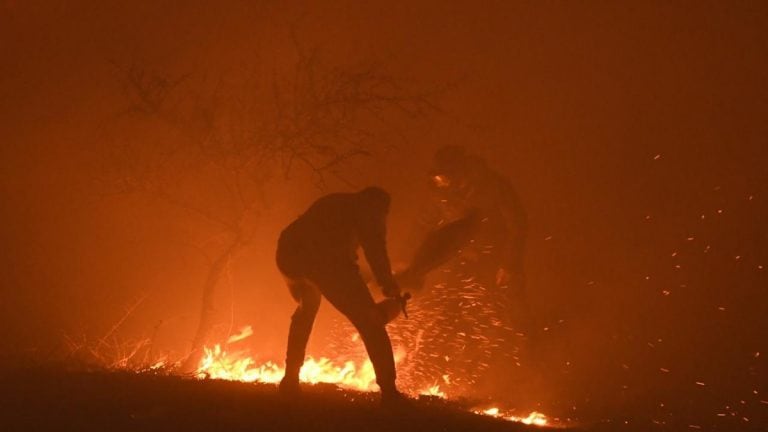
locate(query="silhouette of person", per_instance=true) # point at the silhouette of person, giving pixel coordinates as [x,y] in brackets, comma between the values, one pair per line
[317,255]
[471,323]
[463,182]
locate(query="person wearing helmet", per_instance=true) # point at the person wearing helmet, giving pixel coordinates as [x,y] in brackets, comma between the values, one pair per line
[476,313]
[462,181]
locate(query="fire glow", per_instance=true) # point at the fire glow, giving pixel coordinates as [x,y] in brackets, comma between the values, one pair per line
[218,363]
[239,366]
[534,418]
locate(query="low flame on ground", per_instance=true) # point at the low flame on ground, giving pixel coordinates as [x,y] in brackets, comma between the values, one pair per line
[217,363]
[534,418]
[434,391]
[238,366]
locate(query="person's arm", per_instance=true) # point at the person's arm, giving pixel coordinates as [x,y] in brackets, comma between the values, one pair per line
[516,221]
[373,233]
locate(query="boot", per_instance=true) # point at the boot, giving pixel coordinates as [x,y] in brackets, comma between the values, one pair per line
[289,386]
[394,400]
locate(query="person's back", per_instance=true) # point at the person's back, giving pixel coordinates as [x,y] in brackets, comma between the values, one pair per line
[331,230]
[328,229]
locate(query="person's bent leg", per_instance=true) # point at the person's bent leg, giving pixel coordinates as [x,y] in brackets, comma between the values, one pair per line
[379,347]
[347,291]
[302,321]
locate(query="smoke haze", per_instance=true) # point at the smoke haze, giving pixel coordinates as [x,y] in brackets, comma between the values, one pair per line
[634,134]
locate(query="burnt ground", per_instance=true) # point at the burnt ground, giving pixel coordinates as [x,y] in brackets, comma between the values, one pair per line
[55,399]
[108,401]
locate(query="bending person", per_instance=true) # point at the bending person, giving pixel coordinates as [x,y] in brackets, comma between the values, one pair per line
[317,255]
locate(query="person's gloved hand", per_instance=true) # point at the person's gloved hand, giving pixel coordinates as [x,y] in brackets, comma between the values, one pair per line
[391,289]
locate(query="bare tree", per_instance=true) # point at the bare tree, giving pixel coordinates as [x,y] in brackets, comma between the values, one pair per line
[231,136]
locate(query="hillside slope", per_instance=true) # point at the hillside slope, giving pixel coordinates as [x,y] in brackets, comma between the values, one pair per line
[57,400]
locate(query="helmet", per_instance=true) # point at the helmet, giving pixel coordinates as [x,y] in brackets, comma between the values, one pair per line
[449,164]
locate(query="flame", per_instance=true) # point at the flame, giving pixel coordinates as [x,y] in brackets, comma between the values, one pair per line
[245,332]
[238,366]
[534,418]
[434,391]
[218,363]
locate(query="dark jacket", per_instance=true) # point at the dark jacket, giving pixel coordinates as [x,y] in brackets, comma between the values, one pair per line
[328,235]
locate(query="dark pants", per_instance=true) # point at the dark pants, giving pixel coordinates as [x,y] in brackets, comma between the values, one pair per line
[343,286]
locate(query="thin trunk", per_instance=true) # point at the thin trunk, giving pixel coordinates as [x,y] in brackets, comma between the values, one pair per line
[207,312]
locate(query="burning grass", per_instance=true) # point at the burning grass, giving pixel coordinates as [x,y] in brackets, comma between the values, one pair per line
[225,362]
[45,399]
[218,363]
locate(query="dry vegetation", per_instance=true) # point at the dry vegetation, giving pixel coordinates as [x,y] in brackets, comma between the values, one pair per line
[58,400]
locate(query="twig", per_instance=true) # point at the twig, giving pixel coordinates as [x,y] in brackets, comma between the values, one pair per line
[122,320]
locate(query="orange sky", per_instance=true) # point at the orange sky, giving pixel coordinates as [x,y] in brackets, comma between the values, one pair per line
[572,101]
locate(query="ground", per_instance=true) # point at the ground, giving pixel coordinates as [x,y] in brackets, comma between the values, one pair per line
[111,401]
